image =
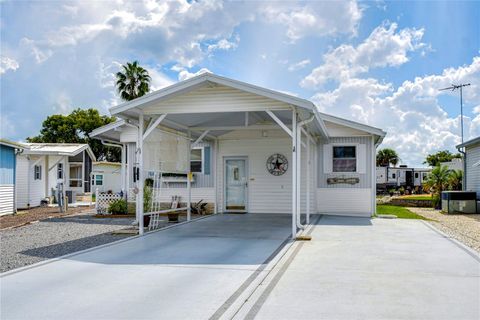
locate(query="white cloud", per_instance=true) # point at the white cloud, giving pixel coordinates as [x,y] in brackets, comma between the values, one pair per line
[184,74]
[413,116]
[315,18]
[7,63]
[299,65]
[224,44]
[384,47]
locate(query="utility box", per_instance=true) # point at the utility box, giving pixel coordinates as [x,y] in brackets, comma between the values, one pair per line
[459,202]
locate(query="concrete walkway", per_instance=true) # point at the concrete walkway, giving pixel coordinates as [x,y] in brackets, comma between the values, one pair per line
[357,268]
[191,271]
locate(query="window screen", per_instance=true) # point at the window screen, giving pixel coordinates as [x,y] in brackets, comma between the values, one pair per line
[196,160]
[37,172]
[344,159]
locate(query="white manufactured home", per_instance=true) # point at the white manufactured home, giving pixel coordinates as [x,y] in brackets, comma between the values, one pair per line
[42,166]
[471,165]
[106,177]
[250,149]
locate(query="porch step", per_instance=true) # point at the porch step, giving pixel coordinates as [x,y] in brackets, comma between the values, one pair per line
[83,198]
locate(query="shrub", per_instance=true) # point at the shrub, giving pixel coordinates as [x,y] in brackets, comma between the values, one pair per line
[147,199]
[436,201]
[118,207]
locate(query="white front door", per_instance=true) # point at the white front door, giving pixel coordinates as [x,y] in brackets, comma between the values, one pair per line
[235,193]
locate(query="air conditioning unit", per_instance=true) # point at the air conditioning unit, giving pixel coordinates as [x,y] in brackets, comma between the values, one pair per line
[459,202]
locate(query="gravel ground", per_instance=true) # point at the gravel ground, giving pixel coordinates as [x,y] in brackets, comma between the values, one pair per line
[54,237]
[463,227]
[39,213]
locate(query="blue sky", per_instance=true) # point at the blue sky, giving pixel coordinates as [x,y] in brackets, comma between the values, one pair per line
[379,63]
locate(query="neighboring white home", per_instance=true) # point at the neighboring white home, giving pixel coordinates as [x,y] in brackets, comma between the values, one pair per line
[250,149]
[472,165]
[41,166]
[455,164]
[8,159]
[106,176]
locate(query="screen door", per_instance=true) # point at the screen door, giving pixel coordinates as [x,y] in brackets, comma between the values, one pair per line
[236,184]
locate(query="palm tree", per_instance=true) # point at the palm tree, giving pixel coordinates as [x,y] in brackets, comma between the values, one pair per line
[437,180]
[455,179]
[387,156]
[133,81]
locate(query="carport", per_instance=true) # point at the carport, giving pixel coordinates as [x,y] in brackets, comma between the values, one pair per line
[190,271]
[207,106]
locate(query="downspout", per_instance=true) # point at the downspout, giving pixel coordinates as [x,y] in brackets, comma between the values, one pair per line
[299,159]
[17,152]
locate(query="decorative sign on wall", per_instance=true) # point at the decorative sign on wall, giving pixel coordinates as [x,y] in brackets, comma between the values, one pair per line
[343,180]
[277,164]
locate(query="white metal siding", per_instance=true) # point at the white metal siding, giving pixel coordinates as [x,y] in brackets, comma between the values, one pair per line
[266,193]
[346,201]
[6,199]
[364,168]
[37,187]
[215,99]
[473,173]
[112,179]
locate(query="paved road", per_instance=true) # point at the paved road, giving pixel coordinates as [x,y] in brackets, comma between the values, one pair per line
[372,269]
[187,272]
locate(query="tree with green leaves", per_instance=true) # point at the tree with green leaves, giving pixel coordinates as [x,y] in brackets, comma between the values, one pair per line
[387,157]
[76,128]
[437,179]
[455,179]
[133,81]
[435,159]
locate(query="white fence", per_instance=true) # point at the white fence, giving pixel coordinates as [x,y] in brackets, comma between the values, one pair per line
[103,201]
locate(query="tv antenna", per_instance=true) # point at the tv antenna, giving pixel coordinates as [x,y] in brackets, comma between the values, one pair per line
[454,87]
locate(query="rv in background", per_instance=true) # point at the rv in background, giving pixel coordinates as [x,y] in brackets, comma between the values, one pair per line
[402,176]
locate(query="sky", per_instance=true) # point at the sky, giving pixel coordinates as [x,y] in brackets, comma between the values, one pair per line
[378,63]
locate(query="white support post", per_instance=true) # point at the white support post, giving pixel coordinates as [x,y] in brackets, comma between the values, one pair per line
[123,171]
[140,181]
[374,178]
[294,174]
[298,175]
[189,178]
[309,163]
[215,172]
[189,199]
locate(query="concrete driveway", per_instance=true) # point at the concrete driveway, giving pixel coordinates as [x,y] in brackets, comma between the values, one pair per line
[193,271]
[243,267]
[357,268]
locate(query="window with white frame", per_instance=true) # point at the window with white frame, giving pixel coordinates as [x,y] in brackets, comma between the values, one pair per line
[196,160]
[344,159]
[97,179]
[37,172]
[75,175]
[60,171]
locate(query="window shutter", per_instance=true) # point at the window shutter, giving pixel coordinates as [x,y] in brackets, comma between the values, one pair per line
[206,155]
[327,158]
[362,158]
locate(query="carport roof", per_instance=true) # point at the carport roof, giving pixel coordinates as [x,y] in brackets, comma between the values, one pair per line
[131,109]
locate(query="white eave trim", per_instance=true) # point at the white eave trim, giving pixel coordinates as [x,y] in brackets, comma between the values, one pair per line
[106,128]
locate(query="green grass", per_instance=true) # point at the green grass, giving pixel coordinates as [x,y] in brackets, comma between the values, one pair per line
[400,212]
[417,197]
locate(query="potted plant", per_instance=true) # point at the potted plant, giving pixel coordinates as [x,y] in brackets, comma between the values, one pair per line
[391,192]
[173,217]
[402,191]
